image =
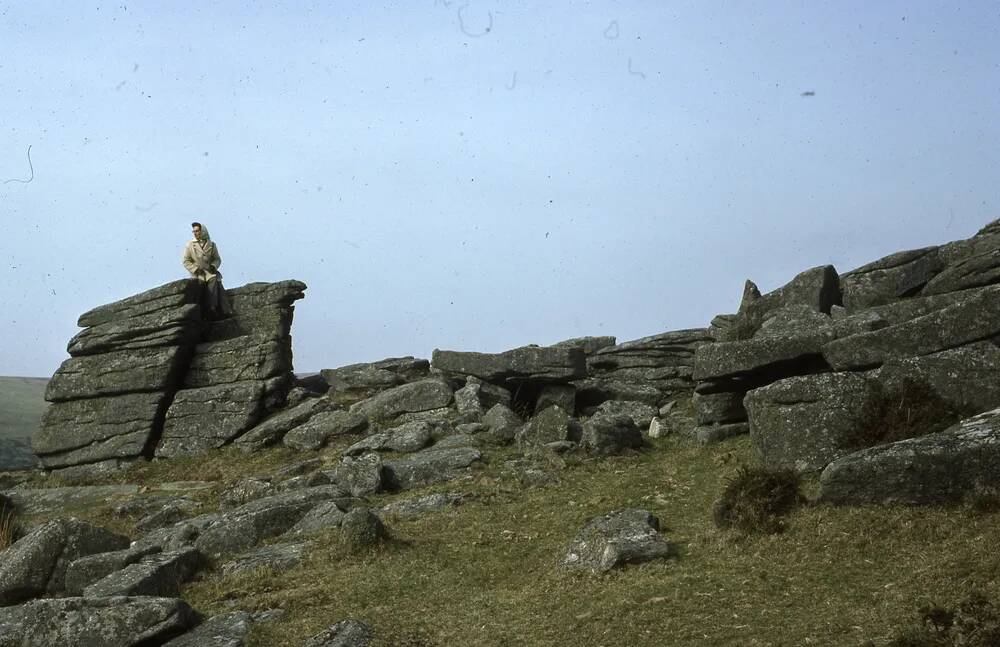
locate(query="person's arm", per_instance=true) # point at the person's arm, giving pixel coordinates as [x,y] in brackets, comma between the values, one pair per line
[188,261]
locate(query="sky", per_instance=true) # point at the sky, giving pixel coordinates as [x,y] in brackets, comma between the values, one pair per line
[474,175]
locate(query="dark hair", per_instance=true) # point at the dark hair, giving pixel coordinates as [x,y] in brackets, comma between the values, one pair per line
[196,224]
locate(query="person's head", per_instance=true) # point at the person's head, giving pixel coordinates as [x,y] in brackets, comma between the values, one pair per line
[196,230]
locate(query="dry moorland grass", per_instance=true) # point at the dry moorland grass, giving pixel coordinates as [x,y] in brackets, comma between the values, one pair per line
[486,573]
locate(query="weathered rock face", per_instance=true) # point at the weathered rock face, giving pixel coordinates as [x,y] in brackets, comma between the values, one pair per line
[937,468]
[94,622]
[148,374]
[239,374]
[348,384]
[803,422]
[891,278]
[37,563]
[660,364]
[528,363]
[415,397]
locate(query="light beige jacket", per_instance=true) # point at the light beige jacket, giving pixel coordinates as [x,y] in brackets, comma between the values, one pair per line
[201,258]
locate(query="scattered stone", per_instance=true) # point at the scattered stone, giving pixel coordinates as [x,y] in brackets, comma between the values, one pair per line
[640,413]
[713,434]
[346,633]
[325,425]
[323,517]
[428,467]
[617,538]
[414,397]
[362,529]
[37,563]
[456,440]
[560,446]
[276,558]
[64,501]
[658,428]
[503,424]
[607,434]
[243,527]
[550,425]
[94,622]
[224,630]
[89,569]
[349,384]
[361,476]
[274,428]
[410,509]
[245,491]
[158,575]
[407,438]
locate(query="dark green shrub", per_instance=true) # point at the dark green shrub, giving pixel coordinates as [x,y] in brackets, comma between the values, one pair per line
[907,410]
[9,530]
[756,499]
[983,500]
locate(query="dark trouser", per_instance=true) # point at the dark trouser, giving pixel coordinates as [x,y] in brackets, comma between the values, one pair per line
[214,302]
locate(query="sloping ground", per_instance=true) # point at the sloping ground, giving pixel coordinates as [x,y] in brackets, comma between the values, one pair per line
[22,403]
[487,572]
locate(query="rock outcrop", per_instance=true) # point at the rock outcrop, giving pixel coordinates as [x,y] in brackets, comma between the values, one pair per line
[149,375]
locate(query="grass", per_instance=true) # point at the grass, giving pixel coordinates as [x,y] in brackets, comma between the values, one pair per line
[486,572]
[9,528]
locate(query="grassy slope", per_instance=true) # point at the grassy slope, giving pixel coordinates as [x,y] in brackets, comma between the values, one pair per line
[486,573]
[21,405]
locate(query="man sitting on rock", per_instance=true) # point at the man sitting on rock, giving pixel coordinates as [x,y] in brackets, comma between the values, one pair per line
[202,260]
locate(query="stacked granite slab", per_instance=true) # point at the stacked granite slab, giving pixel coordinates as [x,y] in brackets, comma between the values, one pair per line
[239,374]
[108,399]
[651,370]
[804,364]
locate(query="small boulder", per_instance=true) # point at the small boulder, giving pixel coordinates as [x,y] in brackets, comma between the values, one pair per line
[550,425]
[362,529]
[319,429]
[617,538]
[607,434]
[346,633]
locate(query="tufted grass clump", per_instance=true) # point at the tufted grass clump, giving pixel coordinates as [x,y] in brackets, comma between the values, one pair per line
[973,623]
[756,500]
[907,410]
[9,528]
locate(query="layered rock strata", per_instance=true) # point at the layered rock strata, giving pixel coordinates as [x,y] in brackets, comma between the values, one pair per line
[149,375]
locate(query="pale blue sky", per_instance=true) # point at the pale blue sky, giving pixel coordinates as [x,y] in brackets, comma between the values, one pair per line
[605,168]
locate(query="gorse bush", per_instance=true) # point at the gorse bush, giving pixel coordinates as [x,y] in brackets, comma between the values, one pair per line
[756,499]
[906,410]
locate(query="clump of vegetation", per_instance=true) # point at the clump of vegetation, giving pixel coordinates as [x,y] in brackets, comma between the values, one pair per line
[907,410]
[983,499]
[9,529]
[756,500]
[973,623]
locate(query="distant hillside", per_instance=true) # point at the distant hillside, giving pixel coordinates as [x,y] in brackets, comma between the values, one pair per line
[21,405]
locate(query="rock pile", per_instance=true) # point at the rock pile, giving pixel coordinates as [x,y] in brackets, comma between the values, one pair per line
[807,368]
[148,375]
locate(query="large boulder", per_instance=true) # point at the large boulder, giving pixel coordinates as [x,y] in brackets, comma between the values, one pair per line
[976,264]
[320,428]
[95,622]
[274,428]
[36,563]
[415,397]
[97,429]
[770,357]
[117,372]
[224,630]
[428,467]
[805,422]
[528,363]
[172,326]
[406,438]
[975,317]
[551,425]
[817,288]
[210,417]
[354,382]
[963,378]
[936,468]
[891,278]
[615,539]
[661,362]
[606,434]
[158,575]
